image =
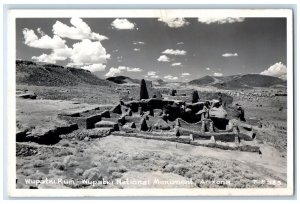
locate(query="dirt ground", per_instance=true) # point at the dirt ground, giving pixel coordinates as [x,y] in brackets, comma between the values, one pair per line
[113,157]
[41,115]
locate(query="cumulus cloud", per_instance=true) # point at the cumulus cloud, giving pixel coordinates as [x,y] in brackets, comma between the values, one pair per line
[94,67]
[87,52]
[277,70]
[176,64]
[79,31]
[139,43]
[44,42]
[56,55]
[218,74]
[112,72]
[89,55]
[63,52]
[230,55]
[220,20]
[115,71]
[174,22]
[44,58]
[174,52]
[151,73]
[128,69]
[185,74]
[207,68]
[170,77]
[180,43]
[163,58]
[39,30]
[136,49]
[122,24]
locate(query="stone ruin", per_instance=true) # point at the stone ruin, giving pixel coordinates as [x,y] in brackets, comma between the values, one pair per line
[203,123]
[206,123]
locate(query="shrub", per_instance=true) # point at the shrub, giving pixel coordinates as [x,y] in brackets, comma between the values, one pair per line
[249,176]
[121,156]
[63,152]
[59,166]
[219,174]
[207,176]
[78,171]
[37,176]
[65,145]
[27,172]
[94,164]
[42,157]
[189,174]
[169,168]
[114,160]
[38,163]
[140,156]
[122,169]
[181,169]
[166,156]
[73,163]
[54,173]
[92,174]
[116,175]
[161,163]
[112,169]
[67,160]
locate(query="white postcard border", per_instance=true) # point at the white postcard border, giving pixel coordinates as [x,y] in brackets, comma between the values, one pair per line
[146,13]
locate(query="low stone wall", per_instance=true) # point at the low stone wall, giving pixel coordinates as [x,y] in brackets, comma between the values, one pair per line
[187,140]
[86,122]
[51,136]
[223,137]
[190,126]
[91,120]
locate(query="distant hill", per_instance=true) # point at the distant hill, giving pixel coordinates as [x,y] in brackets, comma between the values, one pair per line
[127,80]
[31,73]
[239,81]
[123,80]
[203,81]
[158,82]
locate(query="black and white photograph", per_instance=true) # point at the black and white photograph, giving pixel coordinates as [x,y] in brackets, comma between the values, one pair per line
[152,102]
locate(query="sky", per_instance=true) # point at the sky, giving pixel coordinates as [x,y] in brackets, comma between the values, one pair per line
[174,49]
